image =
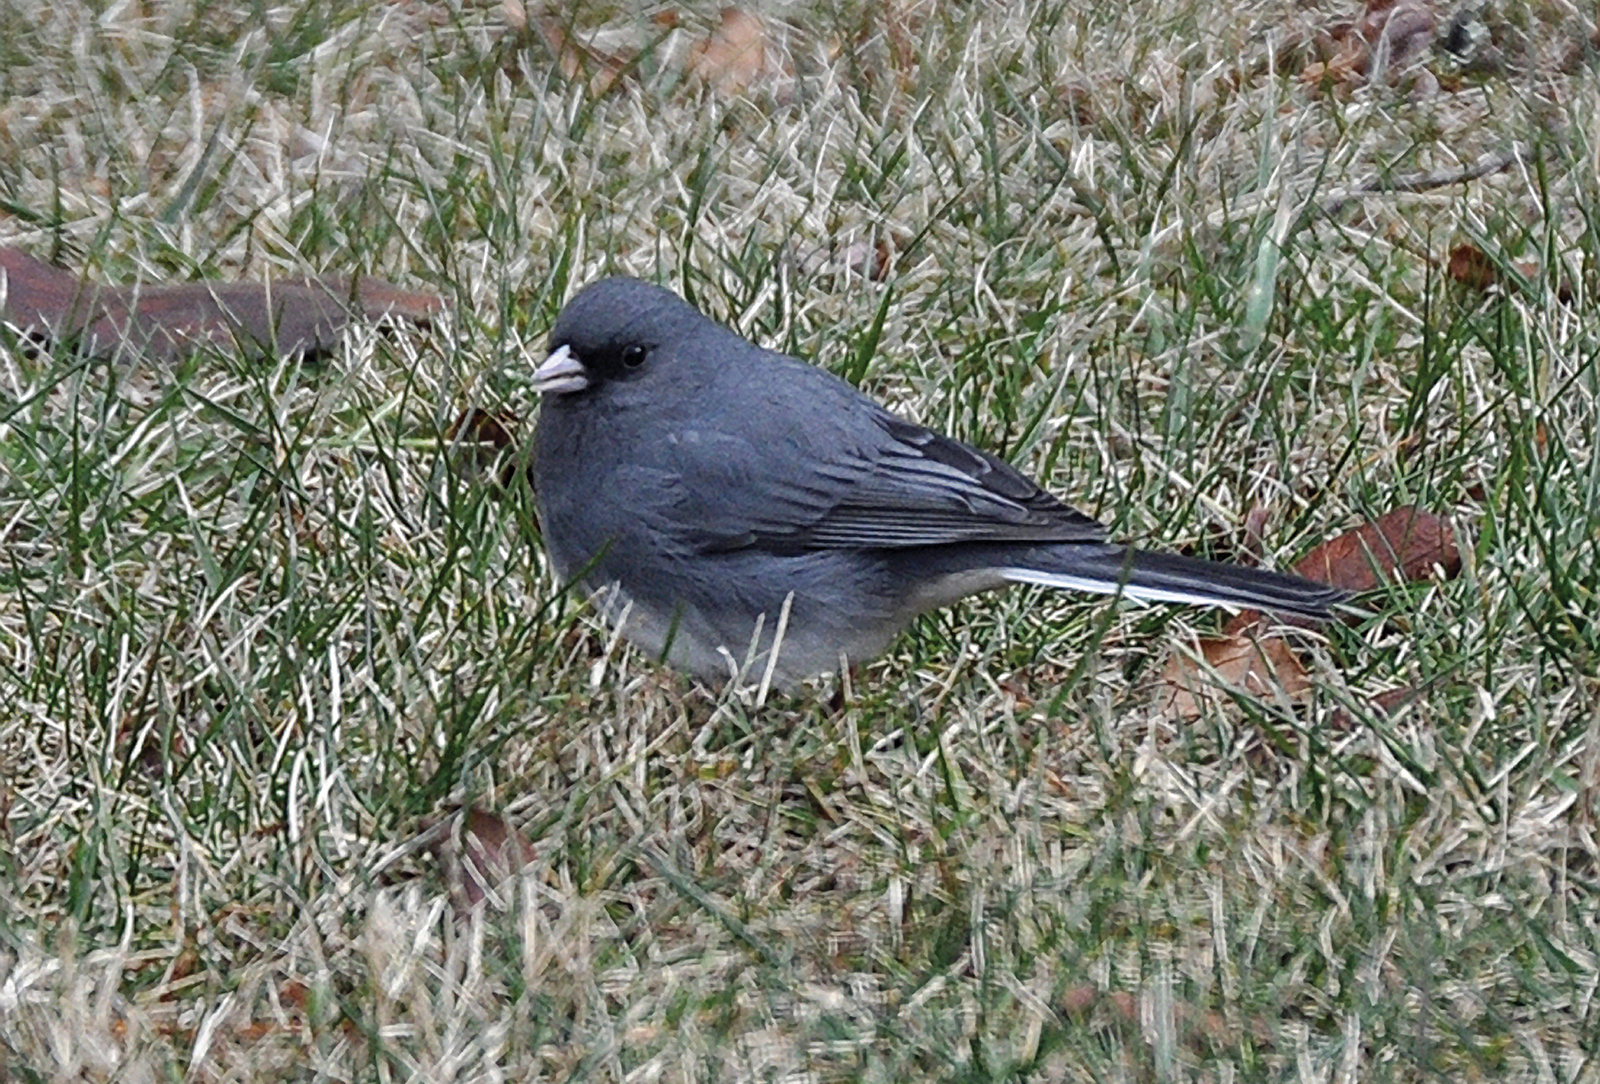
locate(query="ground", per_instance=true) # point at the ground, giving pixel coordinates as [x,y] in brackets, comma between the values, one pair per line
[281,658]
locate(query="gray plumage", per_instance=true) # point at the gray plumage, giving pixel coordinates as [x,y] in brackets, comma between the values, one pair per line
[706,491]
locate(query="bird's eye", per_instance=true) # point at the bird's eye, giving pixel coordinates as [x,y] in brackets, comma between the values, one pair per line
[633,356]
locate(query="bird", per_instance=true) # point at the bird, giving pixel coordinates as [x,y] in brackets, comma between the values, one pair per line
[742,514]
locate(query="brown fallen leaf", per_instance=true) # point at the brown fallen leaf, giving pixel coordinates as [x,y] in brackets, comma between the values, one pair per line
[1407,542]
[282,319]
[301,318]
[1196,1027]
[6,835]
[575,59]
[144,745]
[1387,703]
[870,261]
[885,47]
[1078,999]
[1399,32]
[1477,270]
[1262,665]
[1390,701]
[1078,98]
[495,429]
[1255,531]
[382,299]
[516,14]
[1385,44]
[480,855]
[1017,687]
[1472,267]
[40,300]
[1340,71]
[1579,53]
[871,258]
[482,437]
[733,56]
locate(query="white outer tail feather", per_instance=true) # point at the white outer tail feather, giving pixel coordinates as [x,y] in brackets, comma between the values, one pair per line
[1135,592]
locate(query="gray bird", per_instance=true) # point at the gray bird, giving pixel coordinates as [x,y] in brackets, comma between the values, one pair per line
[713,497]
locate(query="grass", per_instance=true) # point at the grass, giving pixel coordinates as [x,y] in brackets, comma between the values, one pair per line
[264,627]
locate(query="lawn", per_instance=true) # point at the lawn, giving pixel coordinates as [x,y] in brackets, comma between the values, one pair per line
[310,770]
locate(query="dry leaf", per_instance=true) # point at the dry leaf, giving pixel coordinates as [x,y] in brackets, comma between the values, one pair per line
[1472,267]
[734,56]
[1390,701]
[516,13]
[1194,1026]
[1581,51]
[1345,68]
[41,300]
[6,835]
[887,45]
[1407,541]
[1078,98]
[295,318]
[143,745]
[1384,44]
[480,856]
[1017,687]
[870,260]
[482,438]
[1255,530]
[1262,666]
[1079,999]
[1399,32]
[497,430]
[580,60]
[1476,270]
[1387,703]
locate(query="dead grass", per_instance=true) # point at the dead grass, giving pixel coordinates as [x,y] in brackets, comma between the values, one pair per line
[263,628]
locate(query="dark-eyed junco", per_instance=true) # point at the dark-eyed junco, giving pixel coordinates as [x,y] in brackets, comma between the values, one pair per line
[715,499]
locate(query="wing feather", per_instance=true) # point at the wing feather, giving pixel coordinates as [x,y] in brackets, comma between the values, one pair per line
[857,477]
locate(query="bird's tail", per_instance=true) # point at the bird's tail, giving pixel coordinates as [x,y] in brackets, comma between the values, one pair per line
[1167,577]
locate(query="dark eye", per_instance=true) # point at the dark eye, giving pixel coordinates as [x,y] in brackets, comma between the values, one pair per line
[633,356]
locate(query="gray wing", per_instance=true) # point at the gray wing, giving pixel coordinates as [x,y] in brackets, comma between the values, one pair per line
[849,475]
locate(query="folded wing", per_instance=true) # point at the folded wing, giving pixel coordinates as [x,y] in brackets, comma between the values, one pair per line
[850,475]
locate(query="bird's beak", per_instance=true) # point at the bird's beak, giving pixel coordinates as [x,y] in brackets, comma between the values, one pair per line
[561,373]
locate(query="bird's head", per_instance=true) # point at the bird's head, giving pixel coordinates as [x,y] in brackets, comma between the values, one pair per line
[612,332]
